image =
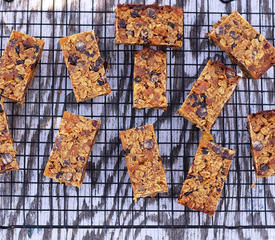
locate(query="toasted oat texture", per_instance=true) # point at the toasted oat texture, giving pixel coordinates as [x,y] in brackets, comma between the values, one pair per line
[209,94]
[85,65]
[150,79]
[202,187]
[143,161]
[149,25]
[71,150]
[18,65]
[261,127]
[7,153]
[243,44]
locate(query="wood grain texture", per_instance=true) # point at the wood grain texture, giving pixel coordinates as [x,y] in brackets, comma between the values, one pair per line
[105,199]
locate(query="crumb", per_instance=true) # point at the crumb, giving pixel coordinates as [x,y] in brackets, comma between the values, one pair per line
[253,185]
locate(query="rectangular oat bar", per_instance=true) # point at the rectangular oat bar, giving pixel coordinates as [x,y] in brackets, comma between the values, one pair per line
[143,161]
[7,153]
[261,127]
[71,150]
[209,94]
[18,65]
[243,44]
[202,187]
[85,65]
[149,25]
[150,79]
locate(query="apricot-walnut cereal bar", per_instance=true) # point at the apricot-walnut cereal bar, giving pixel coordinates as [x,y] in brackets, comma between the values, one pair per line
[209,94]
[202,187]
[18,65]
[150,79]
[243,44]
[149,25]
[261,127]
[85,65]
[143,161]
[69,157]
[7,153]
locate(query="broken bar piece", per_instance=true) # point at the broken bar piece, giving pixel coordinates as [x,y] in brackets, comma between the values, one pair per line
[7,153]
[18,65]
[202,187]
[71,150]
[143,161]
[149,25]
[243,44]
[261,127]
[85,65]
[150,79]
[209,94]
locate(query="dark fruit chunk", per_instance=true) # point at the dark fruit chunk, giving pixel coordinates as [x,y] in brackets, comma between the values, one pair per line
[134,14]
[189,176]
[201,112]
[266,46]
[1,109]
[100,82]
[148,144]
[233,45]
[36,48]
[80,46]
[234,35]
[99,62]
[137,79]
[17,49]
[172,25]
[264,167]
[94,68]
[151,13]
[257,145]
[204,150]
[219,30]
[227,26]
[235,22]
[20,62]
[179,36]
[225,154]
[73,60]
[58,175]
[89,54]
[80,158]
[121,23]
[134,158]
[94,123]
[200,178]
[144,33]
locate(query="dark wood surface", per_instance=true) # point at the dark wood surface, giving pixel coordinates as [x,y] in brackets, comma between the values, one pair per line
[105,199]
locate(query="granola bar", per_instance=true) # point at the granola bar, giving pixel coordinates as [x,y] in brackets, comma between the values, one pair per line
[261,127]
[7,153]
[149,25]
[71,150]
[202,187]
[150,79]
[85,65]
[18,65]
[243,44]
[143,161]
[209,94]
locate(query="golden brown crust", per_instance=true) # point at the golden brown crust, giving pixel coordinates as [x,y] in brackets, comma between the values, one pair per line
[202,187]
[149,25]
[208,95]
[7,153]
[150,79]
[18,65]
[85,65]
[143,161]
[261,127]
[243,44]
[71,150]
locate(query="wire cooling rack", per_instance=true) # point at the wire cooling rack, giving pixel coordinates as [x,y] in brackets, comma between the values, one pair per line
[105,200]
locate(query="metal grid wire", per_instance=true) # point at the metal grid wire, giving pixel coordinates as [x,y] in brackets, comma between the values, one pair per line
[105,200]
